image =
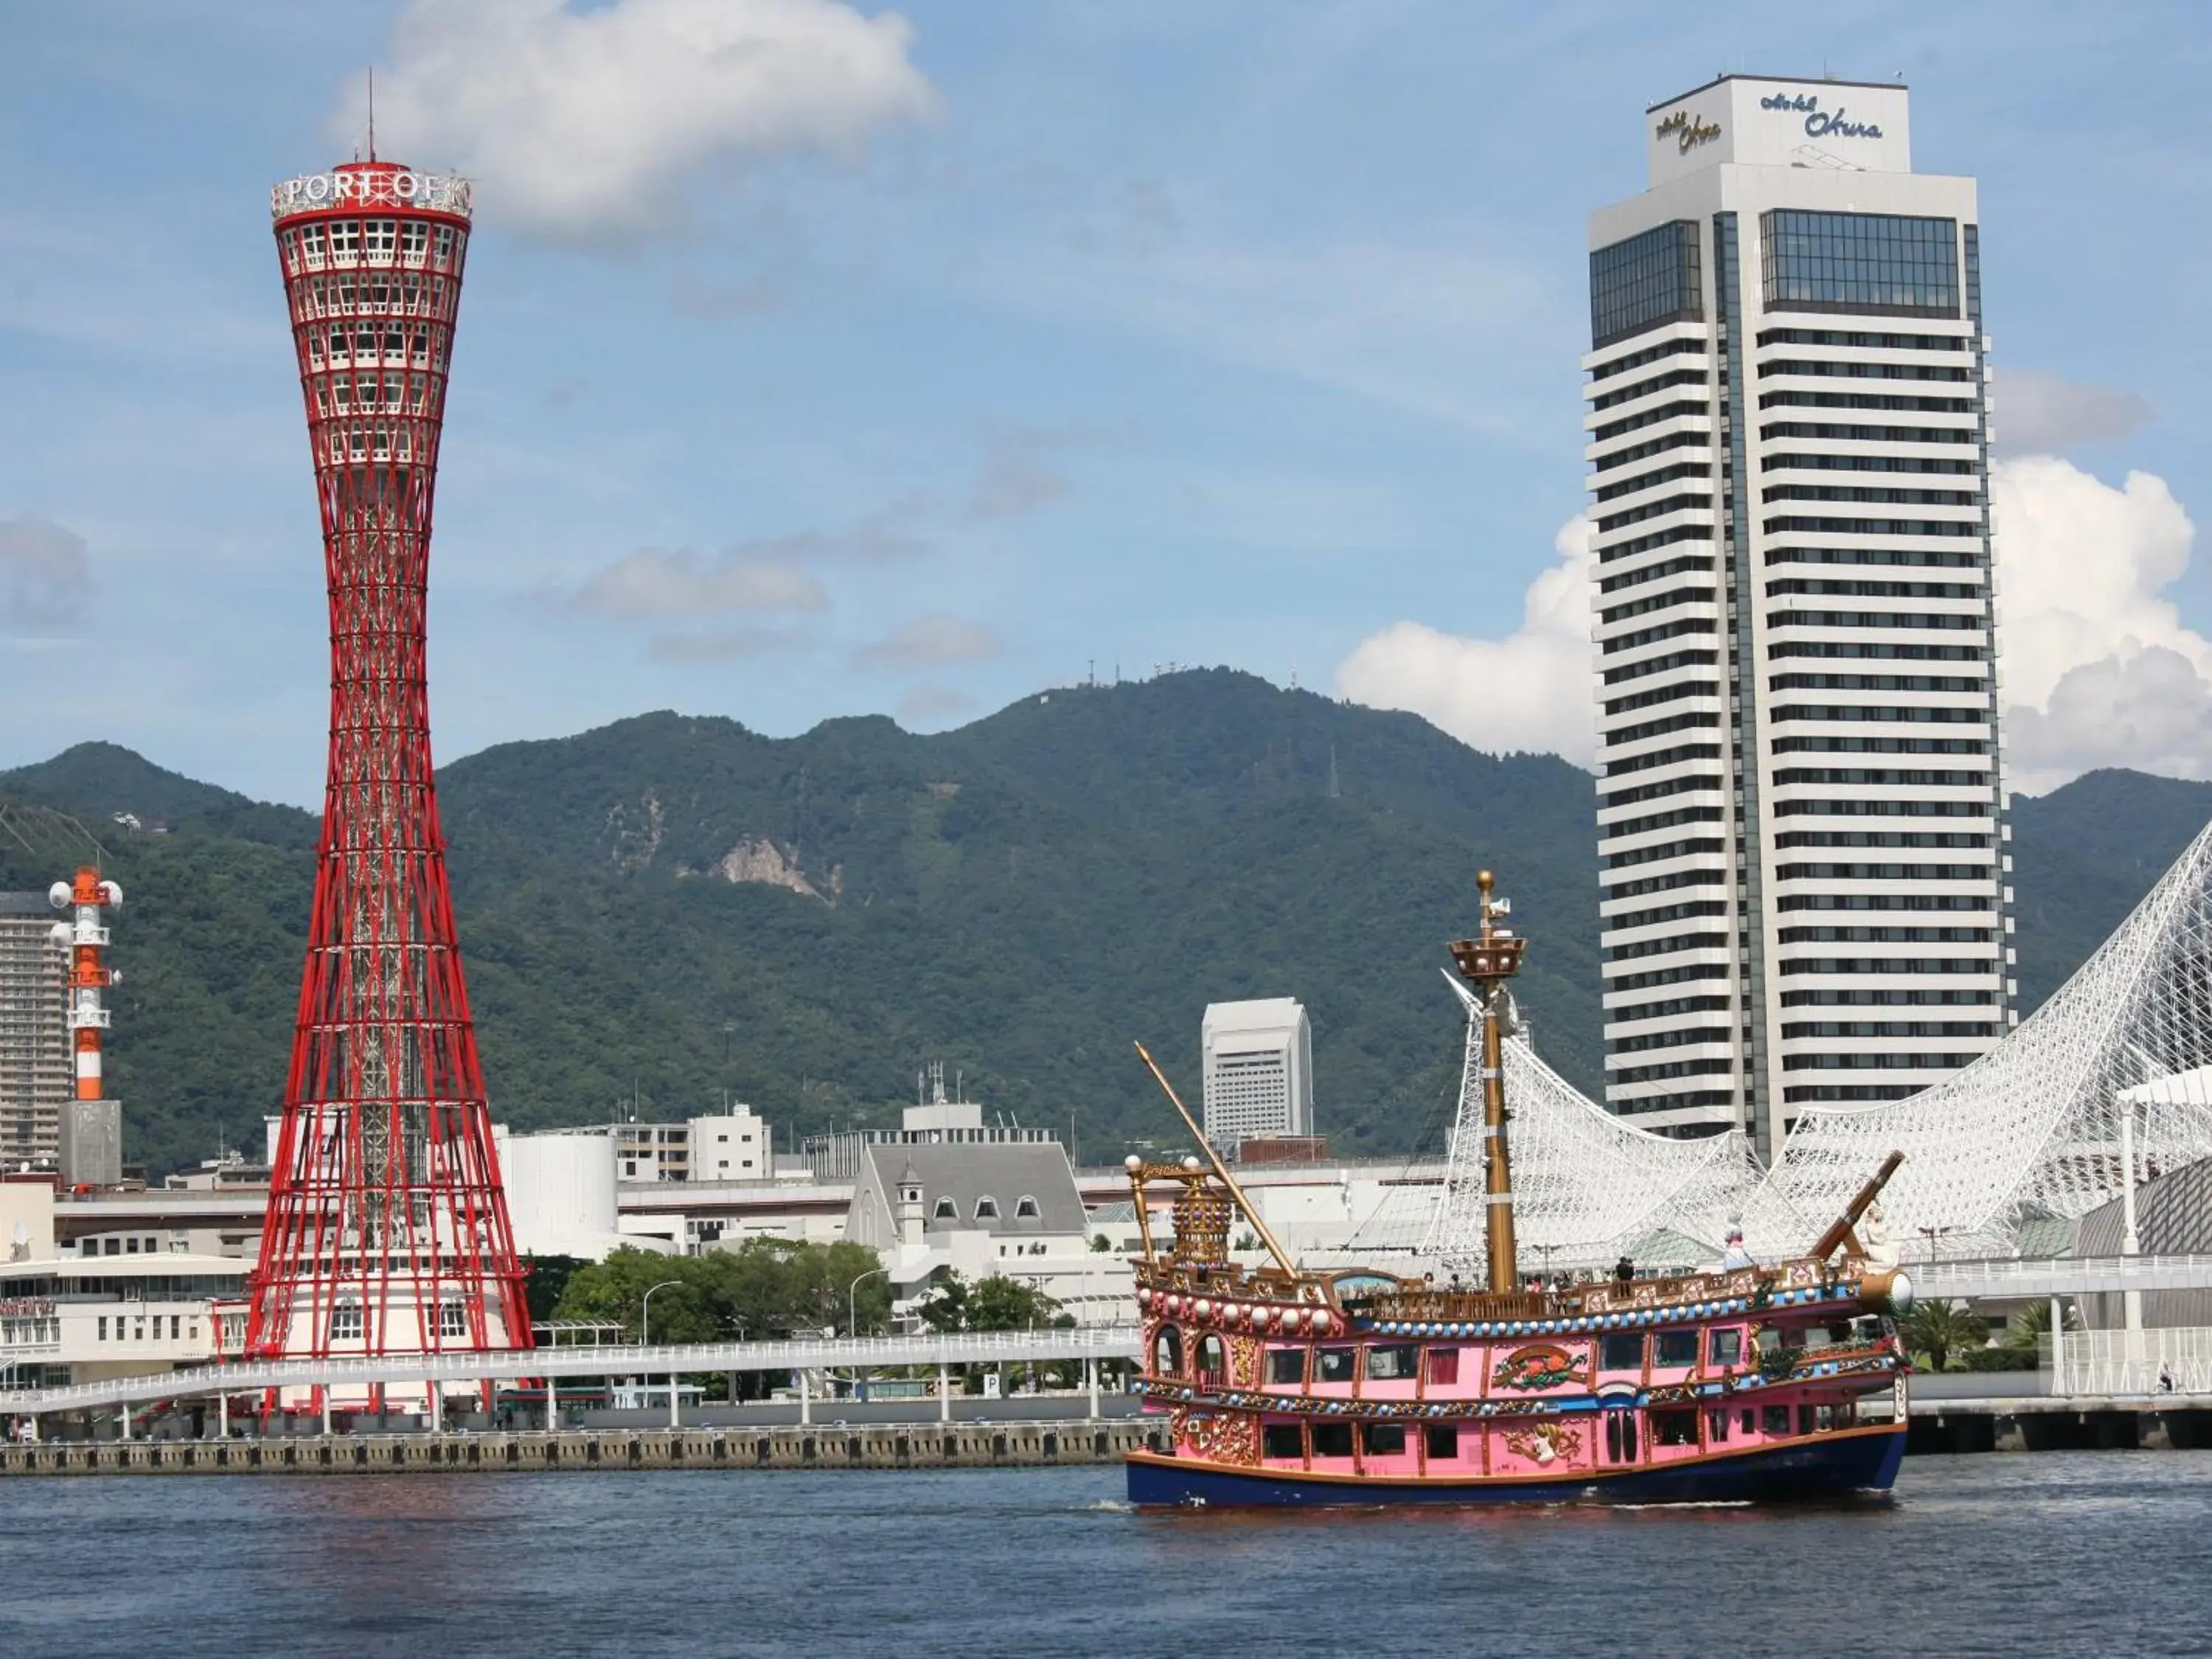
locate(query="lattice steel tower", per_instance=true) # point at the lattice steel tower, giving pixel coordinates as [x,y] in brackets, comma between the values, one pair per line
[387,1229]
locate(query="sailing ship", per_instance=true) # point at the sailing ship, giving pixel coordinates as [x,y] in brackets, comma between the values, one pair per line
[1276,1385]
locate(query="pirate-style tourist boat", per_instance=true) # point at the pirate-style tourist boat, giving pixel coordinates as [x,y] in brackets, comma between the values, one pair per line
[1282,1386]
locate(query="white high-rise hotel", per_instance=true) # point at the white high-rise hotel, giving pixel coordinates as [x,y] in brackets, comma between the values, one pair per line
[1801,799]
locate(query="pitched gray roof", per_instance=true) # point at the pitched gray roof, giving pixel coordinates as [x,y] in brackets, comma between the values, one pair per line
[966,1173]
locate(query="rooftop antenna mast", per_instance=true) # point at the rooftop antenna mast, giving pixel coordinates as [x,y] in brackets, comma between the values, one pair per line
[372,112]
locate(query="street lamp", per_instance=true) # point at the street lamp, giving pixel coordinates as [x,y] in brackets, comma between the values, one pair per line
[645,1313]
[1934,1235]
[851,1300]
[644,1334]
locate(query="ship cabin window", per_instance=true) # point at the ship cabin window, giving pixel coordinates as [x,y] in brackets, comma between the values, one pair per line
[1336,1365]
[1675,1428]
[1717,1426]
[1332,1440]
[1286,1366]
[1726,1348]
[1440,1441]
[1212,1359]
[1167,1352]
[1621,1351]
[1394,1363]
[1774,1419]
[1750,1417]
[1807,1420]
[1675,1349]
[1382,1439]
[1283,1440]
[1444,1368]
[1620,1436]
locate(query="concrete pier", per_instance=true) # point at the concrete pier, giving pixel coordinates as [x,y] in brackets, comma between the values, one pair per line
[858,1446]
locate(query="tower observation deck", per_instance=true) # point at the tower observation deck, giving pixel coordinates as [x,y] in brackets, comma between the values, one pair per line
[387,1229]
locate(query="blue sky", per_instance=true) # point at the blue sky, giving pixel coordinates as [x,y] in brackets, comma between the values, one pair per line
[1052,336]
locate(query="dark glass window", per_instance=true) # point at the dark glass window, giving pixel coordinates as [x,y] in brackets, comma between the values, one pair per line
[1167,1352]
[1621,1351]
[1336,1365]
[1774,1419]
[1876,262]
[1727,1347]
[1646,280]
[1382,1439]
[1213,1359]
[1717,1426]
[1676,1348]
[1283,1440]
[1807,1420]
[1332,1440]
[1675,1428]
[1441,1440]
[1286,1365]
[1394,1363]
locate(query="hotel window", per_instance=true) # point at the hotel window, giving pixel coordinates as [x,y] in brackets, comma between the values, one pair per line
[1866,262]
[1440,1441]
[1283,1440]
[1644,282]
[1382,1439]
[1286,1367]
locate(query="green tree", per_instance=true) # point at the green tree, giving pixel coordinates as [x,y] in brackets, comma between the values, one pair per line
[1941,1329]
[548,1278]
[996,1304]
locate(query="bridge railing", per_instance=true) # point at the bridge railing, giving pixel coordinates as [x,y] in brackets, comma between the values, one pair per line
[2175,1359]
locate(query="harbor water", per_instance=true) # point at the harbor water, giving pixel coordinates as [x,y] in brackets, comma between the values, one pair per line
[2051,1553]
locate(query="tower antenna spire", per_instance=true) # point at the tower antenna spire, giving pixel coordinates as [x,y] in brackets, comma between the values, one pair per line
[372,112]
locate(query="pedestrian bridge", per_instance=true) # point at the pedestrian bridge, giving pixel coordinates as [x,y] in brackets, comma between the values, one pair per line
[1089,1343]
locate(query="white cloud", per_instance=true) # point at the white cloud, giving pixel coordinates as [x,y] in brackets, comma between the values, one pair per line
[1530,690]
[589,125]
[2039,413]
[45,578]
[933,642]
[652,585]
[2098,668]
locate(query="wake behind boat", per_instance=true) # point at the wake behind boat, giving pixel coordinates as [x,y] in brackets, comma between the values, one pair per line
[1281,1386]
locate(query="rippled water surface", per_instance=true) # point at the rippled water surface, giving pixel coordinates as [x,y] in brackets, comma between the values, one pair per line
[2033,1553]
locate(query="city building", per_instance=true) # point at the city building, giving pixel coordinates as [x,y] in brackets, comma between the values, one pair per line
[936,1119]
[734,1146]
[1801,798]
[1258,1065]
[36,1075]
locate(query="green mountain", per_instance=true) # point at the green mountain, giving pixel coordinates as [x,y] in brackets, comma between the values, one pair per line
[675,910]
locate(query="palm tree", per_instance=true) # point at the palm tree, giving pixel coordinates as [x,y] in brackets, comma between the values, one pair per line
[1939,1329]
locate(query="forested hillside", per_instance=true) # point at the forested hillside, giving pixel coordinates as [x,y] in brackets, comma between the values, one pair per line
[674,907]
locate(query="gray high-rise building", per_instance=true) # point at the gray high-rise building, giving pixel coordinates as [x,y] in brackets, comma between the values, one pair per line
[1801,799]
[36,1079]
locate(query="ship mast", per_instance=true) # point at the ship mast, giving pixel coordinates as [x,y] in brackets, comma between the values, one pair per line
[1487,963]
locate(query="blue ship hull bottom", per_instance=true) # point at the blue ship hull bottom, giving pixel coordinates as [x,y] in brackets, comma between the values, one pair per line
[1834,1466]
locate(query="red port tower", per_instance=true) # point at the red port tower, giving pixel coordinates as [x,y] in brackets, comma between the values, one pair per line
[387,1229]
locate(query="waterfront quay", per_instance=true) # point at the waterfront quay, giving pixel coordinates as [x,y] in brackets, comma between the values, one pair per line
[1034,1443]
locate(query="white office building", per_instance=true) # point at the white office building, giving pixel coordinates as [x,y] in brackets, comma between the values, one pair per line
[1258,1062]
[1801,794]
